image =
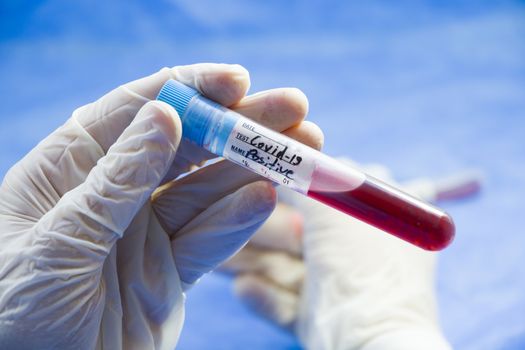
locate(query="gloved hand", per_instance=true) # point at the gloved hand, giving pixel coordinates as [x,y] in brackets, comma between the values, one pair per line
[342,284]
[93,253]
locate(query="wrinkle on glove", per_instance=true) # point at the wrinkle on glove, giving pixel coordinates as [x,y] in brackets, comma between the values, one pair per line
[24,205]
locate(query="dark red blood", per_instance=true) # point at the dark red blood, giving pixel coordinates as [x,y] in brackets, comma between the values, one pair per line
[388,211]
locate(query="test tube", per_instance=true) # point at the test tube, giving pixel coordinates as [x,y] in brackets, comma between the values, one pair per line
[288,162]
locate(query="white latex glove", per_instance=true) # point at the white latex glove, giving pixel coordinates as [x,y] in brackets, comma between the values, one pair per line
[93,253]
[354,287]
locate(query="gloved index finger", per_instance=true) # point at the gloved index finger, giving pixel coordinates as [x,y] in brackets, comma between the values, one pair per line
[106,118]
[282,231]
[226,84]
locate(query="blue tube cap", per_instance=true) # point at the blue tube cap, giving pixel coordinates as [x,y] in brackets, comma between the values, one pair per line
[195,120]
[177,95]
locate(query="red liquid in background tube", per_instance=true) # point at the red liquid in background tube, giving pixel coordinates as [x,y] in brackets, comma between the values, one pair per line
[388,209]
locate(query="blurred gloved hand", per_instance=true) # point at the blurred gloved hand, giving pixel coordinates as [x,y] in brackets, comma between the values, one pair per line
[93,252]
[342,284]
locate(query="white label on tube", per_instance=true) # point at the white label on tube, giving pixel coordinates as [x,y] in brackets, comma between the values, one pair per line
[270,154]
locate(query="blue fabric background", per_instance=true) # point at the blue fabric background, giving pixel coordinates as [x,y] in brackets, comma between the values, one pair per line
[426,87]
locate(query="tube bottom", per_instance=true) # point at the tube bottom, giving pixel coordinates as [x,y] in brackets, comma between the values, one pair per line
[393,211]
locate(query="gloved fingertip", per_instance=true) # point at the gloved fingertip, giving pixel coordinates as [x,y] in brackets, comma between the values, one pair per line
[315,135]
[228,86]
[165,116]
[248,288]
[260,197]
[298,100]
[239,69]
[276,304]
[241,76]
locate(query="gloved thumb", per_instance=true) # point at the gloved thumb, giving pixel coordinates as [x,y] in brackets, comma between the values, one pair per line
[92,216]
[276,303]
